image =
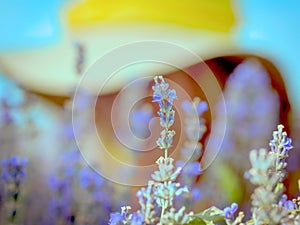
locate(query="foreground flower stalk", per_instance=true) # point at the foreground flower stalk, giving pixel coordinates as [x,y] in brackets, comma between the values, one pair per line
[269,204]
[157,199]
[164,97]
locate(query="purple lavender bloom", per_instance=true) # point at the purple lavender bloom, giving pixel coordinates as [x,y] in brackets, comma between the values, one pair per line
[166,113]
[165,98]
[288,143]
[188,107]
[193,169]
[172,96]
[14,169]
[90,179]
[13,173]
[285,203]
[157,97]
[162,92]
[139,120]
[60,207]
[137,219]
[116,218]
[196,193]
[229,211]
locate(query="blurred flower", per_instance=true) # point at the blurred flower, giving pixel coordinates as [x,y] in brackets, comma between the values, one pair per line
[192,150]
[115,218]
[251,103]
[139,120]
[13,174]
[229,211]
[13,169]
[137,219]
[284,202]
[252,111]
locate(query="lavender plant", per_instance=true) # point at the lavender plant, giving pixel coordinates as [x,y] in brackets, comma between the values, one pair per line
[194,129]
[269,203]
[252,111]
[13,175]
[157,199]
[79,194]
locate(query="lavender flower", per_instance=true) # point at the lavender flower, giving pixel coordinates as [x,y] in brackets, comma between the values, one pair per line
[14,170]
[229,211]
[280,147]
[98,203]
[157,199]
[139,120]
[252,111]
[60,205]
[13,174]
[285,203]
[165,97]
[79,194]
[269,205]
[137,219]
[122,217]
[194,129]
[115,218]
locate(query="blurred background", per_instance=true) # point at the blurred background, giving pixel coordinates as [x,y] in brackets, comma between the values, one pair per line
[250,47]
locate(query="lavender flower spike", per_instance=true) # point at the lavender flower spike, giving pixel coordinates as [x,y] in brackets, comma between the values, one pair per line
[13,169]
[280,147]
[165,97]
[13,174]
[157,199]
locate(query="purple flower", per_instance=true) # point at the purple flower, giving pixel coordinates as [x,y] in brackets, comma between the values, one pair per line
[193,169]
[13,169]
[229,211]
[157,97]
[285,203]
[166,139]
[166,119]
[196,193]
[162,93]
[89,178]
[116,218]
[60,206]
[288,144]
[139,120]
[137,219]
[171,96]
[188,107]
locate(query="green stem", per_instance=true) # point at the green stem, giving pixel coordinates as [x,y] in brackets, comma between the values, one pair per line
[162,213]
